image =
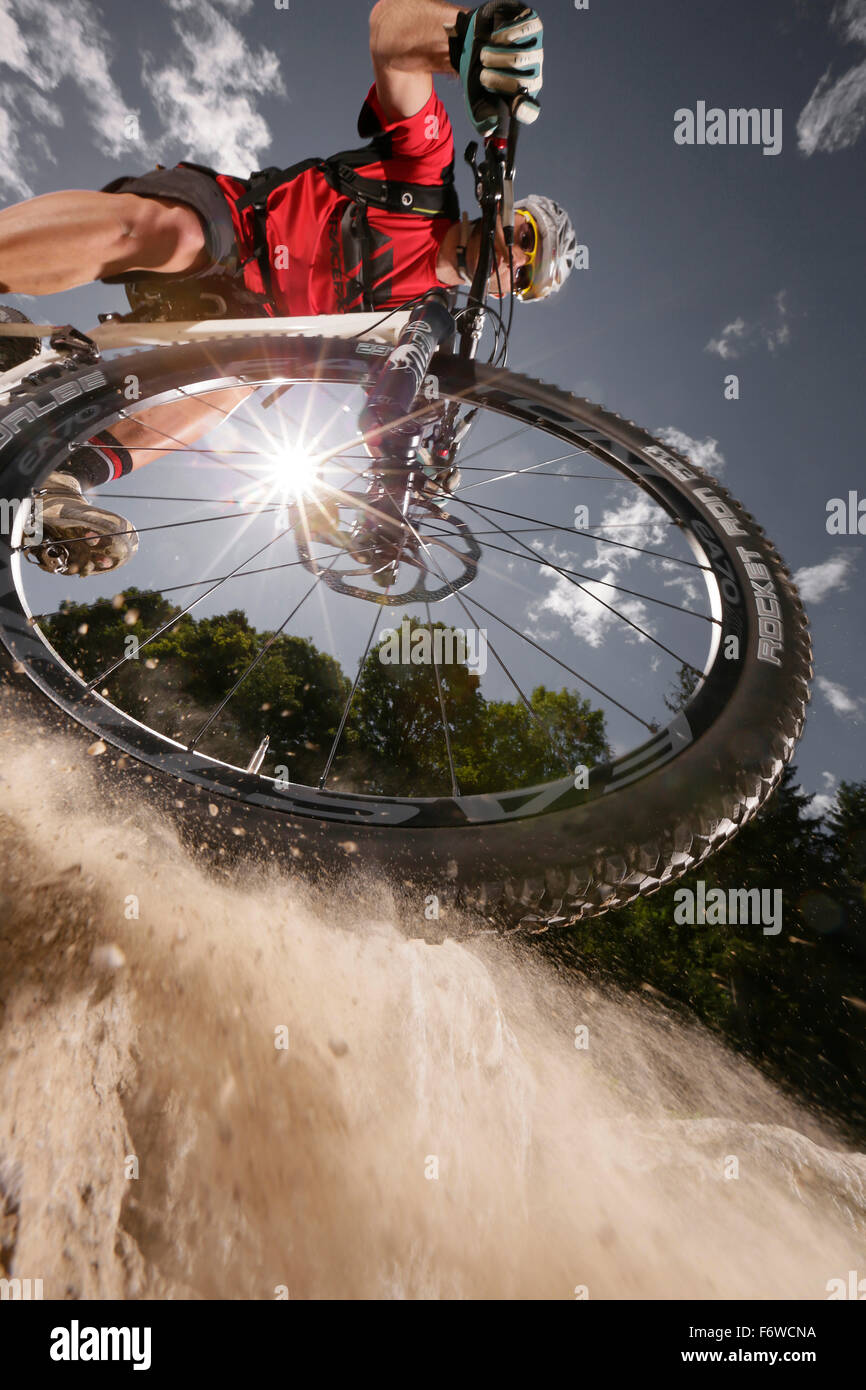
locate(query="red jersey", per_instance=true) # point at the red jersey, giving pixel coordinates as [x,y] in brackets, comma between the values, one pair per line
[314,267]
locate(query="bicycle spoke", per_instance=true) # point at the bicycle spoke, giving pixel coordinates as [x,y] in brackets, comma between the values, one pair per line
[152,497]
[248,574]
[204,453]
[583,679]
[455,790]
[612,525]
[339,734]
[608,584]
[569,477]
[251,667]
[616,613]
[271,440]
[196,583]
[571,531]
[342,409]
[532,468]
[183,446]
[497,443]
[173,525]
[109,671]
[527,703]
[231,414]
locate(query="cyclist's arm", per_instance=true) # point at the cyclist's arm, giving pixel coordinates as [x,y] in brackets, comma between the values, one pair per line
[408,44]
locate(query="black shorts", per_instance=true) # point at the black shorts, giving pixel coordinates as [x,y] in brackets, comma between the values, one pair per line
[197,187]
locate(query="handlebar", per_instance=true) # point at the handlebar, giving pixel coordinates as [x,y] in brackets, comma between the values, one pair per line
[495,193]
[390,406]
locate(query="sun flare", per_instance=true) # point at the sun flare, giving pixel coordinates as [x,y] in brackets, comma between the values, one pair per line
[293,470]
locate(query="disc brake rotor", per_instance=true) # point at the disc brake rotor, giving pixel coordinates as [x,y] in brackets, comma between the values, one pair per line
[424,557]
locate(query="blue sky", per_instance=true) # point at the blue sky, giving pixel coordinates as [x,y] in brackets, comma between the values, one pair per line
[703,261]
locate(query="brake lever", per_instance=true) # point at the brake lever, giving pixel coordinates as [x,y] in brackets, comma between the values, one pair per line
[501,146]
[470,157]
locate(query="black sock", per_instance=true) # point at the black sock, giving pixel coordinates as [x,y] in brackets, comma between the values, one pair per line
[102,461]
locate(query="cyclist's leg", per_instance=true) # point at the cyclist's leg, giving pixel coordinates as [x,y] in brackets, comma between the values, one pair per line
[183,421]
[82,536]
[61,240]
[168,222]
[153,433]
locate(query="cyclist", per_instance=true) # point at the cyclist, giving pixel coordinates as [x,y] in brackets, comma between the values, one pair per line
[296,242]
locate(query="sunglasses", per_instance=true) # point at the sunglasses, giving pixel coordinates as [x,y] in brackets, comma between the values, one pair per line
[528,240]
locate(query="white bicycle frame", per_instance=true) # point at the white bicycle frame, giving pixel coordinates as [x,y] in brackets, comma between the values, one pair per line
[114,336]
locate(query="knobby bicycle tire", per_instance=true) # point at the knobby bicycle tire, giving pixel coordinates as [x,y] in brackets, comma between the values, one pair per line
[533,858]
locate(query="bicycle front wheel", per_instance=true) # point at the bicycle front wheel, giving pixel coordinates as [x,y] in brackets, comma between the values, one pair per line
[586,669]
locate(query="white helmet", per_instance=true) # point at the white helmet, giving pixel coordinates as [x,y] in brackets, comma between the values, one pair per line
[557,251]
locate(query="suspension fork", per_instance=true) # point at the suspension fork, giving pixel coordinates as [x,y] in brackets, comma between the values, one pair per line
[391,419]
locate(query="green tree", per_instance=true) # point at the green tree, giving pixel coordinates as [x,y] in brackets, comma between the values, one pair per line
[796,1001]
[295,693]
[396,728]
[396,732]
[520,749]
[394,741]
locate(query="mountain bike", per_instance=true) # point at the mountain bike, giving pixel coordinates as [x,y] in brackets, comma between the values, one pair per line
[407,608]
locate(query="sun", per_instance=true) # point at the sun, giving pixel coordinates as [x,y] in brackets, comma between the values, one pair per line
[293,471]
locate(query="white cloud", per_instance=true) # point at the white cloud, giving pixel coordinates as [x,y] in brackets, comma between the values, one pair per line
[778,335]
[66,40]
[586,605]
[206,95]
[688,587]
[12,44]
[584,611]
[772,331]
[835,114]
[13,173]
[815,582]
[636,521]
[822,802]
[705,453]
[729,340]
[205,92]
[47,43]
[36,115]
[839,699]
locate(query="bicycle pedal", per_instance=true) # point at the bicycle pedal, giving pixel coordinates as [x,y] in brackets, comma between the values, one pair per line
[75,344]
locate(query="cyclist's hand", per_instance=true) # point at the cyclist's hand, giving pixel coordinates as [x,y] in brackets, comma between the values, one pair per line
[499,48]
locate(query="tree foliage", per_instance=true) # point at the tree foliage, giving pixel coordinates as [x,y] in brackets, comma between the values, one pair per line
[394,739]
[795,1001]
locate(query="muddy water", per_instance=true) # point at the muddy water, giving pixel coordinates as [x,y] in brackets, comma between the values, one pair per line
[231,1088]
